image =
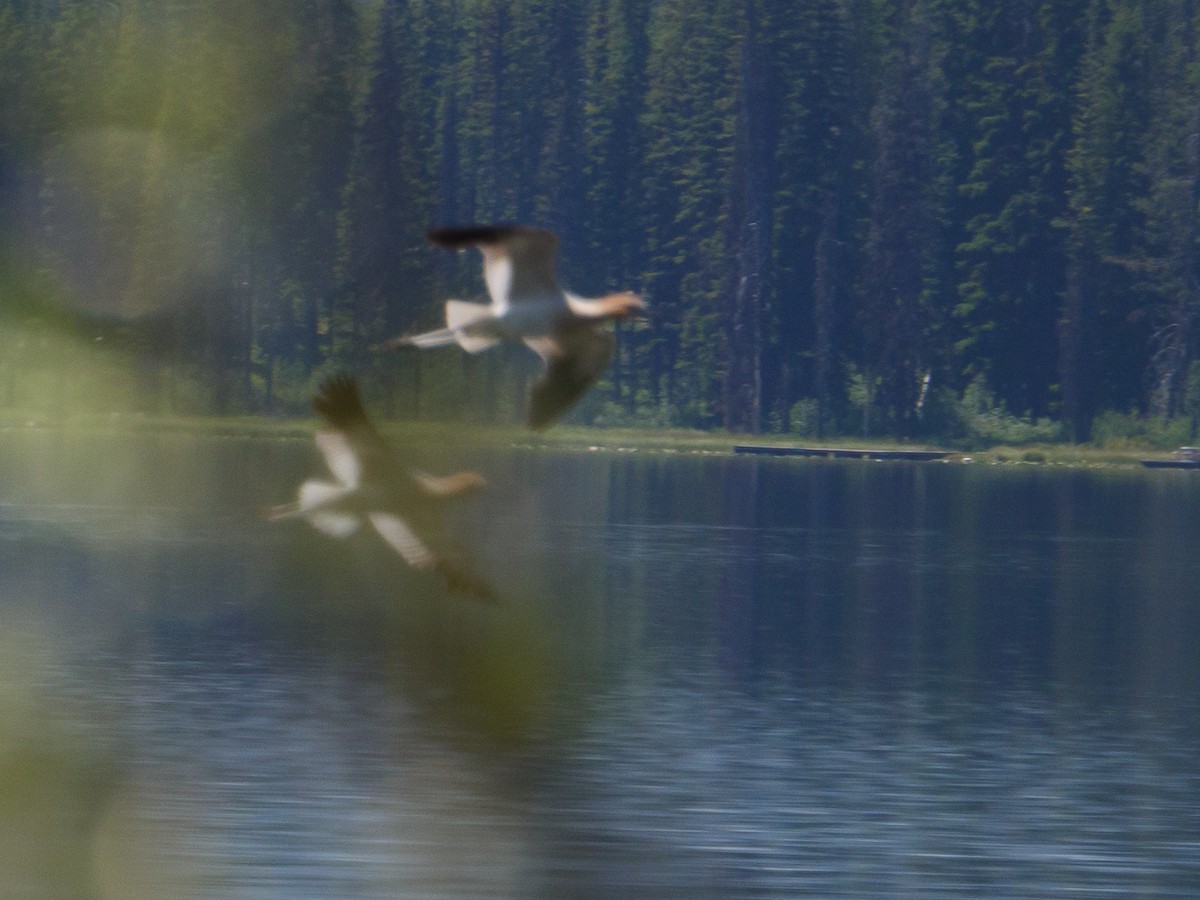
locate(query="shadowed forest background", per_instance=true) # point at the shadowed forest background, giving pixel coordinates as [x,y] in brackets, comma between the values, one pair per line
[920,218]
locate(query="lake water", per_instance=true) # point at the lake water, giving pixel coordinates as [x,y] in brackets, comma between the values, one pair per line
[706,677]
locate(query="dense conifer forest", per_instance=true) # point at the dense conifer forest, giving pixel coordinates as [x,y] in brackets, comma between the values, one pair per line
[916,218]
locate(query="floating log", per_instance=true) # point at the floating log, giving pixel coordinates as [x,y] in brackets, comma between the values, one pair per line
[841,452]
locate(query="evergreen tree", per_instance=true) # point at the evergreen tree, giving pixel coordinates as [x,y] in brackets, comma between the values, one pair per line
[818,199]
[612,205]
[384,268]
[1105,341]
[750,222]
[898,314]
[1013,115]
[1166,264]
[689,124]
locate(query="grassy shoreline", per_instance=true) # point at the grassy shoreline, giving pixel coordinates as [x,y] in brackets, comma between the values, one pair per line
[581,438]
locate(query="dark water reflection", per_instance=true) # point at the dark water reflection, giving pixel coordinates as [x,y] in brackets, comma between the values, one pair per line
[709,677]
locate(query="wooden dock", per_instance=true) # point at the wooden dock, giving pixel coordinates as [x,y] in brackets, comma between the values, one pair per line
[1183,458]
[841,452]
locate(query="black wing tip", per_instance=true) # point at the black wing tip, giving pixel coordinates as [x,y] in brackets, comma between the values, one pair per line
[469,586]
[454,236]
[337,381]
[459,577]
[544,411]
[337,400]
[457,236]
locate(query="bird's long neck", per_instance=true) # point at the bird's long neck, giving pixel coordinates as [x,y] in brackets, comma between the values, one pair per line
[620,305]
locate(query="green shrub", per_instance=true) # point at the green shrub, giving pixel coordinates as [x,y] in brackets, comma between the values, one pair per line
[803,417]
[1114,430]
[987,421]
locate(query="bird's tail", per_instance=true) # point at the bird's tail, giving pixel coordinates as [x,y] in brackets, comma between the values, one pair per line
[440,338]
[460,315]
[315,503]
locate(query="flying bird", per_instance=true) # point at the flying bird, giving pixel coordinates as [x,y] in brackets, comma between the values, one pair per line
[403,505]
[528,306]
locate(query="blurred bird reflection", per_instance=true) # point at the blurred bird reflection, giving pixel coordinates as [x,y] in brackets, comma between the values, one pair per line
[403,505]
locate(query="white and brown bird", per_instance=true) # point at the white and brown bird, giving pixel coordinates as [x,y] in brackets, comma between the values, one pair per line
[403,505]
[528,306]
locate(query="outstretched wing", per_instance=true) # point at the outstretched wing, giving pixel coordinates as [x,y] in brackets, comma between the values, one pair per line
[338,403]
[458,576]
[518,262]
[352,446]
[401,538]
[573,363]
[340,456]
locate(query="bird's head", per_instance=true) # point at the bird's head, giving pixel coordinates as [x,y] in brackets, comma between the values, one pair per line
[628,305]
